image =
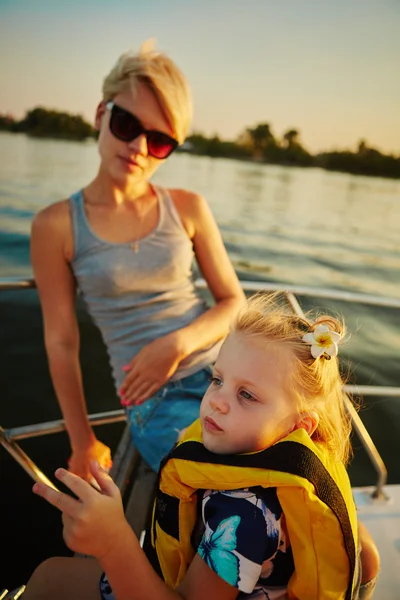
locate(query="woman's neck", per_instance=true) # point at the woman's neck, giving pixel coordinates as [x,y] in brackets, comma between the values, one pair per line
[104,191]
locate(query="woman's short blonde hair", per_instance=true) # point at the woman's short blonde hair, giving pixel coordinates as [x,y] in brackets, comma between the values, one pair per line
[161,75]
[316,383]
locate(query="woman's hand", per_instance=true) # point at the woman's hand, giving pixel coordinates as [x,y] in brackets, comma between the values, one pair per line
[151,368]
[81,459]
[95,522]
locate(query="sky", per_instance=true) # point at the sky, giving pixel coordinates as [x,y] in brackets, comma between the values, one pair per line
[329,68]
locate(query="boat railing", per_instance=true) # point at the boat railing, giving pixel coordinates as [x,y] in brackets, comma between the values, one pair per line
[126,458]
[14,595]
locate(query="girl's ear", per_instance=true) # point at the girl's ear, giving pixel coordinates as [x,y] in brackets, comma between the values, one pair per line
[307,421]
[100,110]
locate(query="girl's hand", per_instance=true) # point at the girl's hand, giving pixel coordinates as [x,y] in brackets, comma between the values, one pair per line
[151,368]
[81,459]
[95,521]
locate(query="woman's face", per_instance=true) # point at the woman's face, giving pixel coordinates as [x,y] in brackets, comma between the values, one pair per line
[130,162]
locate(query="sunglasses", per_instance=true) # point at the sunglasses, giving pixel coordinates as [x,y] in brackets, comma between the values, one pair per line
[126,127]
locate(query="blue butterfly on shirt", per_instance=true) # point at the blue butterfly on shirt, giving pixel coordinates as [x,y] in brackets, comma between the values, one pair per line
[217,547]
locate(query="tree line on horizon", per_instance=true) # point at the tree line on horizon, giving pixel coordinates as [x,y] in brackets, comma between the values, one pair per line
[45,123]
[259,144]
[256,143]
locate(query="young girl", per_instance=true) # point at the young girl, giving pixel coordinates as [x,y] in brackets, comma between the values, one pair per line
[253,502]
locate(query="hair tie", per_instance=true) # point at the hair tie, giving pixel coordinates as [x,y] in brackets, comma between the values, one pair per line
[323,342]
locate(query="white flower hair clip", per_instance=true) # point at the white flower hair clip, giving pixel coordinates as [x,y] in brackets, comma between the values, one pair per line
[323,342]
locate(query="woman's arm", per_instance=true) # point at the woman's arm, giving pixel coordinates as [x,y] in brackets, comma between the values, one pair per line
[51,247]
[217,269]
[158,361]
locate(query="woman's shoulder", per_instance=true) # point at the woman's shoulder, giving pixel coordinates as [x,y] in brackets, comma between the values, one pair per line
[192,208]
[186,198]
[53,215]
[54,221]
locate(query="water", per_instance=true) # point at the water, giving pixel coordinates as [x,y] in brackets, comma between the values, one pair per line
[289,225]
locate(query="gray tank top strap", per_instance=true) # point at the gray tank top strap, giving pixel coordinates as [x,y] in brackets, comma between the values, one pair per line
[170,211]
[76,208]
[83,236]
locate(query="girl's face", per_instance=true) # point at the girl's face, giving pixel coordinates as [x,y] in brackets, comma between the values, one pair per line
[130,162]
[248,406]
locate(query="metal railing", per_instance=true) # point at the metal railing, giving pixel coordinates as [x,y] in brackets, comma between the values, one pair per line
[15,283]
[14,595]
[8,437]
[356,421]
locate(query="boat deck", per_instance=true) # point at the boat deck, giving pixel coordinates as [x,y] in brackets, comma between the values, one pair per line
[382,517]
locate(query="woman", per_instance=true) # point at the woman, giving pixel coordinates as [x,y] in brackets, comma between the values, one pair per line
[128,247]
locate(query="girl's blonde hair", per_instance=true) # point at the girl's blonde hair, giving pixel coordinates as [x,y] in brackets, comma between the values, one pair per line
[315,382]
[161,75]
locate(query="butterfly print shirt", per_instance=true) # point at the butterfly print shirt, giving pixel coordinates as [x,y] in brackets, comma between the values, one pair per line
[241,535]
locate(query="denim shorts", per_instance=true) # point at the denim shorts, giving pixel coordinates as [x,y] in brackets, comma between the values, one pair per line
[156,423]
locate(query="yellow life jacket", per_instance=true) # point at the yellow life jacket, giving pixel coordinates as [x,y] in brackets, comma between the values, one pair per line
[314,493]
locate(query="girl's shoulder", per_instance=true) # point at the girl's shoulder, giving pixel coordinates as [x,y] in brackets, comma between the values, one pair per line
[248,500]
[242,532]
